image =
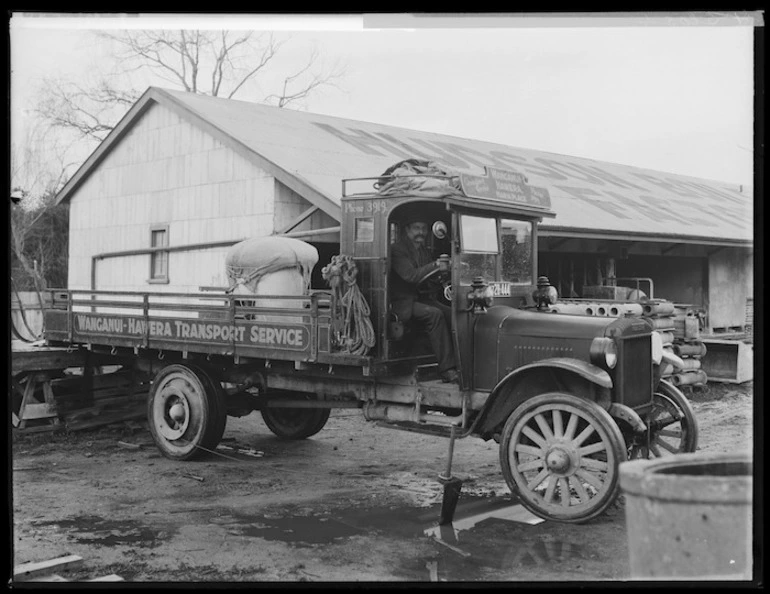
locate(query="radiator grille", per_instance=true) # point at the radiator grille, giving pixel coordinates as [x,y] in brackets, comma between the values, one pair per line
[633,378]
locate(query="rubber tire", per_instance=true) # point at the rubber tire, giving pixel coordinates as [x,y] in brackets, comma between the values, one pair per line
[301,424]
[668,389]
[208,416]
[603,424]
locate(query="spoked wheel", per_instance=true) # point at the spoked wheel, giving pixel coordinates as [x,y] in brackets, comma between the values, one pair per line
[186,412]
[672,428]
[295,423]
[560,455]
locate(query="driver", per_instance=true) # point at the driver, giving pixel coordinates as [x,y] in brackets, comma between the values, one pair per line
[411,260]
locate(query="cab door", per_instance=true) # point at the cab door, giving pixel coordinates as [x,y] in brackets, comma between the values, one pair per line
[476,250]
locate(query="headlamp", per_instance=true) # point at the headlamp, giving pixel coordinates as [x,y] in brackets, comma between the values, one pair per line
[545,294]
[604,351]
[480,297]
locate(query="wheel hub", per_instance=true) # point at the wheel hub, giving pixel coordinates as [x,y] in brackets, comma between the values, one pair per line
[558,460]
[173,414]
[177,412]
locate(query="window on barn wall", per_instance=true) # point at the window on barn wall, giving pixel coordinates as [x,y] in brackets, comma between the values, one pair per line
[159,260]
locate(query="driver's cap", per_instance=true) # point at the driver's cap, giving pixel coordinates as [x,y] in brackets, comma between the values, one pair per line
[413,214]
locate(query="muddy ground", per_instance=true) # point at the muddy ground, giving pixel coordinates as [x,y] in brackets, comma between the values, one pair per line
[352,503]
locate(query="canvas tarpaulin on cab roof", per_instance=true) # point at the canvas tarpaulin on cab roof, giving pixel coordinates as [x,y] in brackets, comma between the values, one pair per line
[419,177]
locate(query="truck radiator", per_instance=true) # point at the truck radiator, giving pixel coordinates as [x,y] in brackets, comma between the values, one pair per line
[634,370]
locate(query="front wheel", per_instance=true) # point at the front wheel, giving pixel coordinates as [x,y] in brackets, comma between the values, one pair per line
[186,412]
[673,428]
[560,456]
[295,423]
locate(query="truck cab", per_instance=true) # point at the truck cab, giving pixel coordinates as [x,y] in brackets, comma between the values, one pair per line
[488,230]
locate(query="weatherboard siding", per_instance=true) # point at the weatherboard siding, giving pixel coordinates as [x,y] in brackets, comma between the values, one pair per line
[166,171]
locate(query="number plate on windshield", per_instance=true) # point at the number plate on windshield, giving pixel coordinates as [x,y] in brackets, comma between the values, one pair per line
[501,289]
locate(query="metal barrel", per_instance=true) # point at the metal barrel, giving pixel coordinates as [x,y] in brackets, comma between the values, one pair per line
[689,516]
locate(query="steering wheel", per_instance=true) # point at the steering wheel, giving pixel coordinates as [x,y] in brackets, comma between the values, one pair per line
[442,276]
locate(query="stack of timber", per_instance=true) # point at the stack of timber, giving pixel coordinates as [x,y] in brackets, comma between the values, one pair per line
[117,396]
[56,389]
[49,571]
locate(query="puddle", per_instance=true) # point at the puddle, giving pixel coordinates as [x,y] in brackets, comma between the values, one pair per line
[108,533]
[297,530]
[468,516]
[425,492]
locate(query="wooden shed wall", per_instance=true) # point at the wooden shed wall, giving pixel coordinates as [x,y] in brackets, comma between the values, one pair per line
[166,171]
[731,283]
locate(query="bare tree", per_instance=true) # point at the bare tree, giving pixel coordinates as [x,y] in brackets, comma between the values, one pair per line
[38,239]
[216,63]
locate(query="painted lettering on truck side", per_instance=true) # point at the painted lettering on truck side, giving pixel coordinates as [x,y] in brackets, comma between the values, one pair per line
[274,335]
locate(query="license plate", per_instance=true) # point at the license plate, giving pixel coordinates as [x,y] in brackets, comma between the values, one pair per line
[501,289]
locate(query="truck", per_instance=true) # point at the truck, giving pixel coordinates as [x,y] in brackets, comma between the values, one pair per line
[567,398]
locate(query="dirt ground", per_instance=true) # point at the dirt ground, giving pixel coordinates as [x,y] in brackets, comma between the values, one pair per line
[352,503]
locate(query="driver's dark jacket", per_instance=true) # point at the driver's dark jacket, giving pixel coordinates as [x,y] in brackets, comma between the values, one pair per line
[408,265]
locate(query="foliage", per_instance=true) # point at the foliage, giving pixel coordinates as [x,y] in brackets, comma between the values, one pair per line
[74,117]
[39,240]
[216,63]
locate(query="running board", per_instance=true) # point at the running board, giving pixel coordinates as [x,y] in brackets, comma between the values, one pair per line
[414,428]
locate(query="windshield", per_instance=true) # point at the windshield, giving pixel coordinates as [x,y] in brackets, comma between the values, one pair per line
[480,254]
[478,242]
[517,251]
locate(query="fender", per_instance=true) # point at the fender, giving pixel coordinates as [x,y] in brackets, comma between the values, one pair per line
[589,371]
[629,415]
[497,407]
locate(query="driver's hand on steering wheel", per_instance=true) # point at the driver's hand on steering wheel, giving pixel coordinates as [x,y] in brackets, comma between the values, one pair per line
[444,263]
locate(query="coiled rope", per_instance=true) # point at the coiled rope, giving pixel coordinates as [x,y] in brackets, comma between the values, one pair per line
[353,330]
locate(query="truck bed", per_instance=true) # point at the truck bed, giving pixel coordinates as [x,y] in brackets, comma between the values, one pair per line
[280,327]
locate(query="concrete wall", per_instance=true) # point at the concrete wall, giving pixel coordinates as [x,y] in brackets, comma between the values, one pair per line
[731,282]
[166,171]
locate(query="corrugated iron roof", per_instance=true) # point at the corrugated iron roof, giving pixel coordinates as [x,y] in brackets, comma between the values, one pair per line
[312,153]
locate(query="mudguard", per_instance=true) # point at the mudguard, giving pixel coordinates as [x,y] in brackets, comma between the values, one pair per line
[496,409]
[589,371]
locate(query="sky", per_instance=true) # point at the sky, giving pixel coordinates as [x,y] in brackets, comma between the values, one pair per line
[661,91]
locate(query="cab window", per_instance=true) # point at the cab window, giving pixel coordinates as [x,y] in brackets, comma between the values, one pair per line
[479,248]
[516,237]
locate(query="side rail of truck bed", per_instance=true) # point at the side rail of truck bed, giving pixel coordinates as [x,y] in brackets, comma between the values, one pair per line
[272,327]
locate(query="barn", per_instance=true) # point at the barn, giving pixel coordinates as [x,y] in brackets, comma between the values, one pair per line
[184,176]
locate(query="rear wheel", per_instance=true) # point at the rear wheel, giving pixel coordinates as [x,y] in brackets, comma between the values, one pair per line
[186,412]
[560,455]
[295,423]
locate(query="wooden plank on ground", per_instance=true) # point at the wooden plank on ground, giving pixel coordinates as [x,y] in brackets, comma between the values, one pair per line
[106,419]
[38,429]
[40,568]
[48,578]
[113,577]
